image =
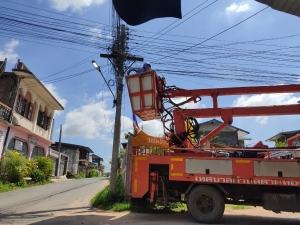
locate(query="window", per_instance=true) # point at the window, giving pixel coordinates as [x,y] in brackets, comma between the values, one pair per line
[43,121]
[16,144]
[24,107]
[37,151]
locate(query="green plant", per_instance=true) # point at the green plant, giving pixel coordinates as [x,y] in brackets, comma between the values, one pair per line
[32,165]
[13,167]
[177,206]
[238,207]
[127,135]
[80,175]
[37,176]
[105,200]
[93,173]
[45,165]
[5,187]
[280,144]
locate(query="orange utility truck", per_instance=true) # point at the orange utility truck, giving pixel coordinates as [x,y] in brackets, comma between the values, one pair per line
[181,166]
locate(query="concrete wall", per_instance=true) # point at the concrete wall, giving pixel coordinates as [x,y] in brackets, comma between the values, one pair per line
[73,160]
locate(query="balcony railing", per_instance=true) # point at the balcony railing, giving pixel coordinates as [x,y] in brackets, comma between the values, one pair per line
[5,112]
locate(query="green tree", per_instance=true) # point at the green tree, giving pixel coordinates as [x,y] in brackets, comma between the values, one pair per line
[280,144]
[14,167]
[44,164]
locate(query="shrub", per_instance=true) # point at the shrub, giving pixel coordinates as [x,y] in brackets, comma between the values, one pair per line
[32,166]
[13,167]
[93,173]
[105,200]
[45,165]
[37,176]
[80,175]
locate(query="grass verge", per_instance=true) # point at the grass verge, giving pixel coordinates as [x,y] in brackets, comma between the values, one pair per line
[8,187]
[238,207]
[5,187]
[118,203]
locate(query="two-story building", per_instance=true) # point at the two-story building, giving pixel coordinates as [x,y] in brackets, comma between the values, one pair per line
[26,112]
[230,135]
[97,160]
[79,157]
[284,137]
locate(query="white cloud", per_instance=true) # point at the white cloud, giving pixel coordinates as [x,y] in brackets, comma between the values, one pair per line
[237,8]
[94,121]
[265,100]
[74,5]
[103,94]
[96,32]
[152,127]
[109,37]
[126,123]
[190,105]
[9,51]
[262,120]
[89,121]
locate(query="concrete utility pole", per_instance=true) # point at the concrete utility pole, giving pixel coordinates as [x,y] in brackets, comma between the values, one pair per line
[119,57]
[116,142]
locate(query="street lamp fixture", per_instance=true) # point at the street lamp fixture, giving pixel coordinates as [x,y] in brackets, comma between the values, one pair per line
[95,65]
[98,68]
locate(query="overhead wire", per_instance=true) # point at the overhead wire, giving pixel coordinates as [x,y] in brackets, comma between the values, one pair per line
[152,37]
[219,51]
[183,50]
[17,3]
[29,25]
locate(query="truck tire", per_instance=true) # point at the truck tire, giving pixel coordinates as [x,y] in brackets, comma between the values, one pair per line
[205,204]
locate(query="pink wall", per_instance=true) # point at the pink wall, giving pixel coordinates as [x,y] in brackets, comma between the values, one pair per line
[23,134]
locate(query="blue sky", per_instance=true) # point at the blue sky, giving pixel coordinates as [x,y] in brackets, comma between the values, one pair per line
[263,50]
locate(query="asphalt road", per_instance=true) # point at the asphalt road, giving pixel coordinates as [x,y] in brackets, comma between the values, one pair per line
[67,202]
[41,203]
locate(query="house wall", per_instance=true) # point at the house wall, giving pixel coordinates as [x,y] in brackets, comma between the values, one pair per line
[3,131]
[286,136]
[73,160]
[64,160]
[63,164]
[26,136]
[226,136]
[39,104]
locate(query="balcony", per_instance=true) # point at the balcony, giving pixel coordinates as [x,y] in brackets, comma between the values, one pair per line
[5,112]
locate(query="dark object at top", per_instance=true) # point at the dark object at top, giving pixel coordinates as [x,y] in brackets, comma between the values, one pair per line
[136,12]
[287,6]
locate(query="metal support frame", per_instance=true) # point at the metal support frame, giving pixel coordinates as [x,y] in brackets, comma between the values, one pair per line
[227,114]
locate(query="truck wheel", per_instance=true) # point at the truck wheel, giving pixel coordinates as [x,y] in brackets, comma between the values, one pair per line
[205,204]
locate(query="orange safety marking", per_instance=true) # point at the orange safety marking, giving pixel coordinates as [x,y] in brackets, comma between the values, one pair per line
[177,159]
[242,161]
[137,162]
[172,166]
[176,174]
[135,185]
